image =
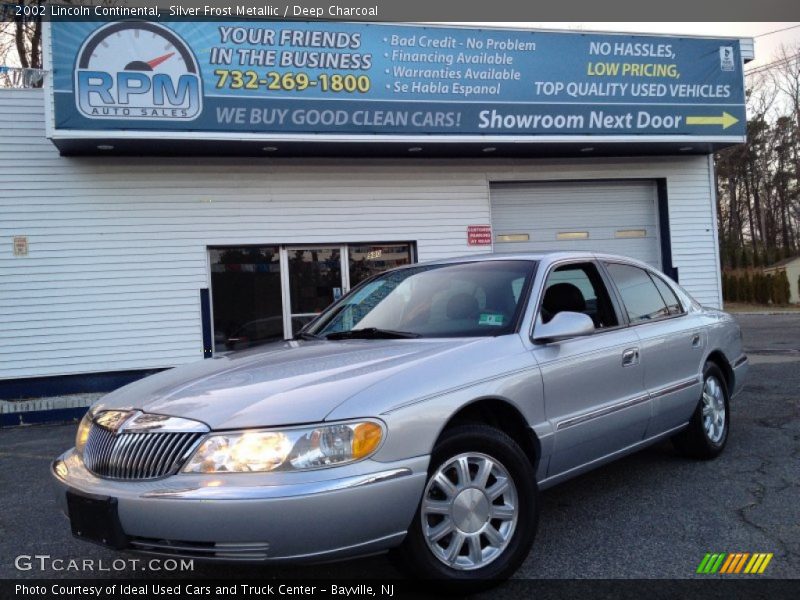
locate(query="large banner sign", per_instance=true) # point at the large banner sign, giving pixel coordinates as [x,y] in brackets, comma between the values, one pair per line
[276,78]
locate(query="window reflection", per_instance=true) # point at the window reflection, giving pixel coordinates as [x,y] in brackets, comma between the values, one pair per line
[315,278]
[246,294]
[461,299]
[247,298]
[367,260]
[639,293]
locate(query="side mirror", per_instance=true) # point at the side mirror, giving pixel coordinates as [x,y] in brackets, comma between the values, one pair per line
[562,326]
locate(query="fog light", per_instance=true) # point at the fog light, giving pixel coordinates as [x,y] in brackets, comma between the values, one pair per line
[61,469]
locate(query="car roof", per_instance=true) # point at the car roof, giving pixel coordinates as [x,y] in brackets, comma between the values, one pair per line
[548,257]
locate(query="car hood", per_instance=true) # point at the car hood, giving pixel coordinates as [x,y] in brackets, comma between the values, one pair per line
[279,384]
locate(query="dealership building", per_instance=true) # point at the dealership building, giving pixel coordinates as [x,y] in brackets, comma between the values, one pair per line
[171,192]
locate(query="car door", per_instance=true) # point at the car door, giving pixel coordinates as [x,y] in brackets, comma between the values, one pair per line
[671,343]
[593,385]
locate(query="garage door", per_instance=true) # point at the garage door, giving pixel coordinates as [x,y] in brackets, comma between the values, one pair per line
[619,217]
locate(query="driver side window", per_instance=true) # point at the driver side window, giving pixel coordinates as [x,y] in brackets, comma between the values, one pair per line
[578,288]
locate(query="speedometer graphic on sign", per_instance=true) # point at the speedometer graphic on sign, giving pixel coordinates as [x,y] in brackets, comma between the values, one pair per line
[137,70]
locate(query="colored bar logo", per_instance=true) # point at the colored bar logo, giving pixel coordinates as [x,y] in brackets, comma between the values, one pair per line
[734,563]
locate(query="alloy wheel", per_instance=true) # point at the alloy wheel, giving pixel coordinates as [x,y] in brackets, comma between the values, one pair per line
[713,409]
[469,511]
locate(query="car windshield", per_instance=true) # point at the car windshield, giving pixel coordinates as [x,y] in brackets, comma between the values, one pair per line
[449,300]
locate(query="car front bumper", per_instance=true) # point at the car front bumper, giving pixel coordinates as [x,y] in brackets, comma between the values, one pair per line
[319,515]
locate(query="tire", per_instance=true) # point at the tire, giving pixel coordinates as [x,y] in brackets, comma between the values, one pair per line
[491,548]
[703,439]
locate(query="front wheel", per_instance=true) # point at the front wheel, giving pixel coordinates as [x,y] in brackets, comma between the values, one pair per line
[477,517]
[707,433]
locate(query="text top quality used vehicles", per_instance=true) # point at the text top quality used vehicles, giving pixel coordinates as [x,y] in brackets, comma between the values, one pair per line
[423,411]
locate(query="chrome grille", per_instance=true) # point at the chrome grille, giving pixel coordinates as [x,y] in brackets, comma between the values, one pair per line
[140,455]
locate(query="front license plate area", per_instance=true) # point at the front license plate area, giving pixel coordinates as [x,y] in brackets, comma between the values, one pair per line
[95,519]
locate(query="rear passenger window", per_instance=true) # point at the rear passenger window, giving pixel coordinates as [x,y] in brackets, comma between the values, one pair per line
[673,304]
[642,300]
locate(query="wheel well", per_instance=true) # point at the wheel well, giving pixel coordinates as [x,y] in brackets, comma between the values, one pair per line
[718,358]
[503,416]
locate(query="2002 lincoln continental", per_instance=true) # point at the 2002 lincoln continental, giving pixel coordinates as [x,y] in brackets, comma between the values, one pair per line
[422,412]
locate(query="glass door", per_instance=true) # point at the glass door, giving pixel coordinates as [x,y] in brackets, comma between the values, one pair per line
[316,278]
[246,296]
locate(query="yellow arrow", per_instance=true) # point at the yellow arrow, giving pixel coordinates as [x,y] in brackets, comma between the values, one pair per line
[726,120]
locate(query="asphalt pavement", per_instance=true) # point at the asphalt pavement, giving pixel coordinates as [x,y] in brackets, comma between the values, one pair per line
[650,515]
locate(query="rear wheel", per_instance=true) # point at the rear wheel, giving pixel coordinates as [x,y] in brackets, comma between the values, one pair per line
[477,517]
[707,433]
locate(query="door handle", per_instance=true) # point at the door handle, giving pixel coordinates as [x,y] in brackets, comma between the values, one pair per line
[630,357]
[696,340]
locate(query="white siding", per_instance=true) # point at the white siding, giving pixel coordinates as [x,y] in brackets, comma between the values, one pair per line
[747,47]
[117,246]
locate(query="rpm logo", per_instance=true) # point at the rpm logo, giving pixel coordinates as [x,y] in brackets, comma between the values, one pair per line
[137,70]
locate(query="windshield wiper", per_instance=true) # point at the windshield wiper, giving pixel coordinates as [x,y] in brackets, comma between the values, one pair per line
[303,335]
[371,333]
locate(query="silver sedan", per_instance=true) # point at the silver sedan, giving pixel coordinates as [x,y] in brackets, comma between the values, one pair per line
[423,411]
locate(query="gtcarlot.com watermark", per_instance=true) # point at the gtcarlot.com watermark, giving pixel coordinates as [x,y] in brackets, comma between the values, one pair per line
[48,563]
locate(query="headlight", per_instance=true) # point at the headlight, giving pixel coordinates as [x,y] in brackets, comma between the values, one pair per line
[83,432]
[286,450]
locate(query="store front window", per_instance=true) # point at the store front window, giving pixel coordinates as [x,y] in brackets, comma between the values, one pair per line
[263,294]
[367,260]
[246,296]
[315,281]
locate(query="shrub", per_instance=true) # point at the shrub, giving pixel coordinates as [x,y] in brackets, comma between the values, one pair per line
[759,289]
[780,284]
[746,293]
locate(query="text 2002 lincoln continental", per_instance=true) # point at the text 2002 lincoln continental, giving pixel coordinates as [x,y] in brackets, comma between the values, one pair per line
[423,412]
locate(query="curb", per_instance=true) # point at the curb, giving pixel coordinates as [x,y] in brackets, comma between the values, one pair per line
[41,417]
[38,411]
[765,313]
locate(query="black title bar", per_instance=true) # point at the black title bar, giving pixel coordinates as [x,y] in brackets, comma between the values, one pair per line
[427,11]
